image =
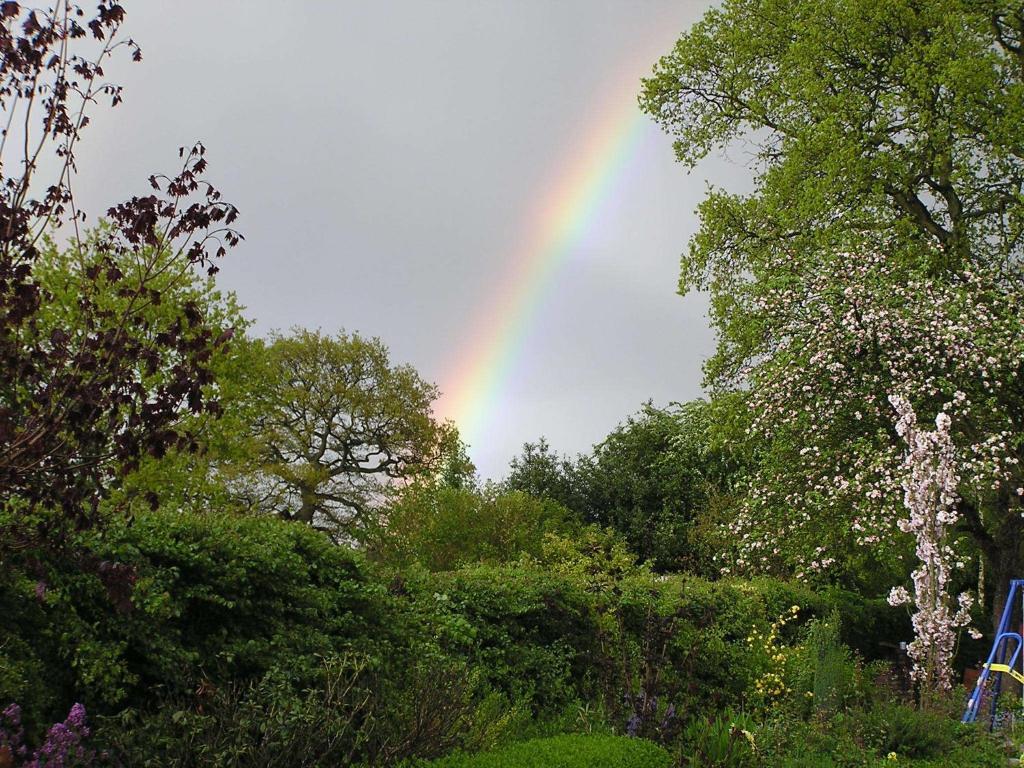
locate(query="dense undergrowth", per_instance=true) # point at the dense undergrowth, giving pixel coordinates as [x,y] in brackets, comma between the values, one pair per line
[251,641]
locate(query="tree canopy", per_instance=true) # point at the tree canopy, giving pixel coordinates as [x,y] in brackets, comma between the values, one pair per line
[336,425]
[80,401]
[879,254]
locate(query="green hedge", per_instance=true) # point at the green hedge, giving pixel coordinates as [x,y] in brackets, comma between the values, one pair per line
[530,633]
[217,598]
[231,597]
[223,602]
[571,751]
[558,636]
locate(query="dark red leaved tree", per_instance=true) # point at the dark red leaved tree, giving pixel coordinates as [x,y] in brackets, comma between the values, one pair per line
[79,406]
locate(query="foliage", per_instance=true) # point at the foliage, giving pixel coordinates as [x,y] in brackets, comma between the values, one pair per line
[670,644]
[655,479]
[336,426]
[457,469]
[529,632]
[874,736]
[879,254]
[832,678]
[900,118]
[722,741]
[541,472]
[820,419]
[355,711]
[775,659]
[78,403]
[216,599]
[444,528]
[182,477]
[568,751]
[910,733]
[880,251]
[652,478]
[62,747]
[869,626]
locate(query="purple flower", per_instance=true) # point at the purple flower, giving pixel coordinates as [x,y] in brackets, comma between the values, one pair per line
[12,714]
[633,726]
[62,747]
[76,720]
[670,714]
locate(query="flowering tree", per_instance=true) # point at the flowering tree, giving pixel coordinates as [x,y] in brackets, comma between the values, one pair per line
[898,132]
[930,483]
[814,410]
[63,746]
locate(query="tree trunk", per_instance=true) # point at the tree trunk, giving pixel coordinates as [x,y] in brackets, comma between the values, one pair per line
[1005,563]
[999,535]
[309,505]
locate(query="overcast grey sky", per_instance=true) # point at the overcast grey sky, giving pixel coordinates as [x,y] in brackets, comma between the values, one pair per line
[385,157]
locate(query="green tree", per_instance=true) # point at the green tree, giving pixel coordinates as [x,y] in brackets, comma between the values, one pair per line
[877,128]
[336,427]
[654,479]
[79,404]
[541,472]
[183,477]
[896,118]
[457,469]
[444,528]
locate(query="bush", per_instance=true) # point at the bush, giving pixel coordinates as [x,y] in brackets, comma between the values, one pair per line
[354,714]
[568,751]
[827,674]
[443,528]
[723,741]
[529,633]
[63,747]
[29,650]
[908,732]
[180,601]
[870,626]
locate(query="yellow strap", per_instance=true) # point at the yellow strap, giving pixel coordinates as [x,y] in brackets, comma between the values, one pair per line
[1006,668]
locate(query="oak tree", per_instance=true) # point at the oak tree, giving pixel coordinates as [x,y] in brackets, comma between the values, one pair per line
[337,427]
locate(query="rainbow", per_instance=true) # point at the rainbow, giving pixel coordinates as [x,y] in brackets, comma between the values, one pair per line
[564,212]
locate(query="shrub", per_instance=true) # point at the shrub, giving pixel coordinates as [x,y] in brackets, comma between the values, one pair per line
[29,647]
[63,746]
[827,675]
[443,528]
[870,626]
[567,751]
[204,599]
[881,734]
[529,633]
[261,723]
[723,741]
[908,732]
[355,714]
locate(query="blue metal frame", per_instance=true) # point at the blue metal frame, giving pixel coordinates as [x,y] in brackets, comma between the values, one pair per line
[997,656]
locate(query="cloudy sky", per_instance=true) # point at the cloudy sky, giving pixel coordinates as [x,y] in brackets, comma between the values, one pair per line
[392,160]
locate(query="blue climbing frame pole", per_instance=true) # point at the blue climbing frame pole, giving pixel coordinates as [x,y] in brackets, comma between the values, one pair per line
[1006,643]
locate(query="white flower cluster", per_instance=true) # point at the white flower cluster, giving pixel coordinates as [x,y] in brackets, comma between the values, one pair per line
[930,494]
[831,342]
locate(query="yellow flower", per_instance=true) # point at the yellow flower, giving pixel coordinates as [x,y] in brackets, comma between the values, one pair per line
[891,756]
